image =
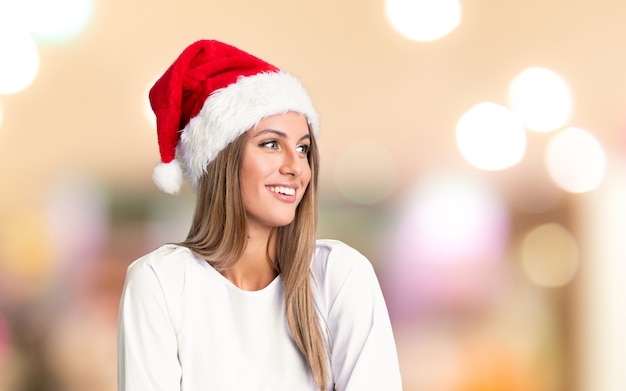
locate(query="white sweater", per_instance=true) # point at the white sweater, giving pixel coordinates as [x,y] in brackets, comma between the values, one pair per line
[184,326]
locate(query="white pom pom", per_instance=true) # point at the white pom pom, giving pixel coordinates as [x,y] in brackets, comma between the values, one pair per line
[168,177]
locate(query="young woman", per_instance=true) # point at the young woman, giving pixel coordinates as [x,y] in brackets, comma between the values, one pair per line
[250,300]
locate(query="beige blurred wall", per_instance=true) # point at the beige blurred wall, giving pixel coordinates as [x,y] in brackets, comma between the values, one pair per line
[84,119]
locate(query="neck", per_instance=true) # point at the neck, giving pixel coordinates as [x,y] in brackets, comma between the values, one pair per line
[253,270]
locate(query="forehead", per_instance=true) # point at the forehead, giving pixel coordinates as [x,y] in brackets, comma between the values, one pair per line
[288,123]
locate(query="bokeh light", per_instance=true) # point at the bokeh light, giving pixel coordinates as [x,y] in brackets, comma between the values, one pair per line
[424,20]
[366,172]
[550,255]
[576,160]
[76,219]
[491,137]
[19,59]
[541,98]
[454,227]
[53,21]
[455,218]
[25,254]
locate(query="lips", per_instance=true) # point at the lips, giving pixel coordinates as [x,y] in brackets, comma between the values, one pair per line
[283,193]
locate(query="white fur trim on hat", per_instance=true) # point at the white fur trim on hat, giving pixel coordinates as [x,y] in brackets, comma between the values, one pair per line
[168,177]
[233,110]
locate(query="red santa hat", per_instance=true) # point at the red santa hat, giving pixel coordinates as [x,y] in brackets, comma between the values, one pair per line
[211,94]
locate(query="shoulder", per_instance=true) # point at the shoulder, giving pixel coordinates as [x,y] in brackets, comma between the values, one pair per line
[165,257]
[338,256]
[165,263]
[336,262]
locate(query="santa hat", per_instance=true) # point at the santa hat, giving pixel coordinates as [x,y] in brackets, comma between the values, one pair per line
[211,94]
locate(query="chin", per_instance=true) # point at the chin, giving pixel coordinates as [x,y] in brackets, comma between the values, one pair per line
[285,221]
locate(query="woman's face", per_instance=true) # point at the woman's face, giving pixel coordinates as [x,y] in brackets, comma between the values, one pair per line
[275,171]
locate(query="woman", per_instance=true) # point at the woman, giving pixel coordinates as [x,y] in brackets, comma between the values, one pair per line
[250,300]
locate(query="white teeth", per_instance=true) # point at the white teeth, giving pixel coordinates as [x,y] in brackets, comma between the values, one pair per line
[282,190]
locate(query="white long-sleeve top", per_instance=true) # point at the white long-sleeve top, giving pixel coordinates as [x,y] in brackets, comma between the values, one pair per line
[184,326]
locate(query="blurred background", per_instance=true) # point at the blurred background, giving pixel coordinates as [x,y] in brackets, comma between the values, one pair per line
[474,151]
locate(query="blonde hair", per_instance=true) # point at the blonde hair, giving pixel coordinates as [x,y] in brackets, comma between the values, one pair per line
[218,234]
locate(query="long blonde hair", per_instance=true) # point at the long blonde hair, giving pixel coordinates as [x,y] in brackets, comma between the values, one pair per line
[218,234]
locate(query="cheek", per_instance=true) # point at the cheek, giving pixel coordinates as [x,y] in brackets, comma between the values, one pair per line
[306,175]
[253,174]
[247,180]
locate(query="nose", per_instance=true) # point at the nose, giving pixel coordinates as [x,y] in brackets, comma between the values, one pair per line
[292,163]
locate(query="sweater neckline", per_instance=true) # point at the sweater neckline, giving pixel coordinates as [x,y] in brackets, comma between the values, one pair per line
[229,284]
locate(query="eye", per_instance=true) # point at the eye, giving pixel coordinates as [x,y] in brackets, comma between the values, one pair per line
[304,148]
[271,144]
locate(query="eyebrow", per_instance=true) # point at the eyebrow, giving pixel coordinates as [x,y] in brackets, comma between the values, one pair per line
[280,134]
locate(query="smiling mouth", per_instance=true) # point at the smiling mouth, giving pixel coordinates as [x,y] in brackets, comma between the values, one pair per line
[282,190]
